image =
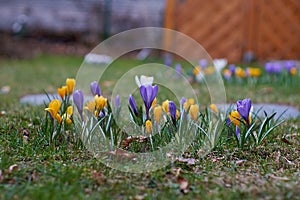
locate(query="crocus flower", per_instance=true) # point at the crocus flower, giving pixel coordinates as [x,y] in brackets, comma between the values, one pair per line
[227,74]
[144,80]
[214,108]
[253,72]
[148,125]
[132,105]
[157,112]
[172,110]
[148,94]
[244,107]
[240,73]
[53,109]
[237,132]
[188,103]
[269,67]
[165,106]
[194,109]
[78,101]
[168,61]
[289,65]
[70,83]
[182,101]
[234,117]
[63,91]
[68,114]
[293,71]
[95,88]
[100,102]
[178,69]
[277,68]
[220,64]
[117,101]
[231,68]
[203,63]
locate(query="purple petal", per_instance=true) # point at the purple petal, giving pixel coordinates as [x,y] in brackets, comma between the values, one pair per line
[172,110]
[244,107]
[78,101]
[237,132]
[95,88]
[132,104]
[117,101]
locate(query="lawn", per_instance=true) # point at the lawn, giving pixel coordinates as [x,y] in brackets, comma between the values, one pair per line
[31,169]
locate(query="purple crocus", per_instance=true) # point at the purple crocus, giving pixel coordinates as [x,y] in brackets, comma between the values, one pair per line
[182,101]
[117,101]
[132,105]
[244,107]
[168,61]
[78,101]
[172,110]
[148,94]
[178,69]
[289,65]
[95,88]
[269,67]
[277,67]
[203,63]
[237,132]
[232,68]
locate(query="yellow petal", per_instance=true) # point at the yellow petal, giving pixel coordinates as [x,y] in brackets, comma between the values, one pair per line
[100,102]
[157,112]
[234,117]
[188,103]
[63,91]
[70,110]
[293,71]
[194,109]
[148,126]
[58,118]
[70,82]
[165,106]
[153,103]
[68,121]
[214,108]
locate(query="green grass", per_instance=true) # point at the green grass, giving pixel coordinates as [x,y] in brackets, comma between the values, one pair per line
[270,171]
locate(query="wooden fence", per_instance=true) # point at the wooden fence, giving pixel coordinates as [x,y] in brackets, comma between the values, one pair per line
[268,28]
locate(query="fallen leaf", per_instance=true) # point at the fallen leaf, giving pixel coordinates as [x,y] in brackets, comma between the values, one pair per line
[239,162]
[189,161]
[1,177]
[12,168]
[278,178]
[183,184]
[2,113]
[140,197]
[5,89]
[286,141]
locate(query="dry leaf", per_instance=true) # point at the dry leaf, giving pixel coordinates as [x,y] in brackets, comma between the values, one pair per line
[278,178]
[189,161]
[1,177]
[12,168]
[183,185]
[286,141]
[2,113]
[239,162]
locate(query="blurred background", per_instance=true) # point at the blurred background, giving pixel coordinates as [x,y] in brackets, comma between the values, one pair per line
[239,30]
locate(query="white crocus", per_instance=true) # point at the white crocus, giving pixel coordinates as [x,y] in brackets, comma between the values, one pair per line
[144,80]
[220,64]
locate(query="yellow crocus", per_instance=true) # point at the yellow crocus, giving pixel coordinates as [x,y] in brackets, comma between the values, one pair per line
[293,71]
[70,82]
[188,103]
[58,118]
[100,102]
[69,114]
[194,109]
[239,72]
[234,117]
[90,106]
[165,106]
[53,108]
[177,114]
[63,91]
[153,103]
[196,70]
[209,70]
[157,112]
[254,72]
[214,108]
[148,126]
